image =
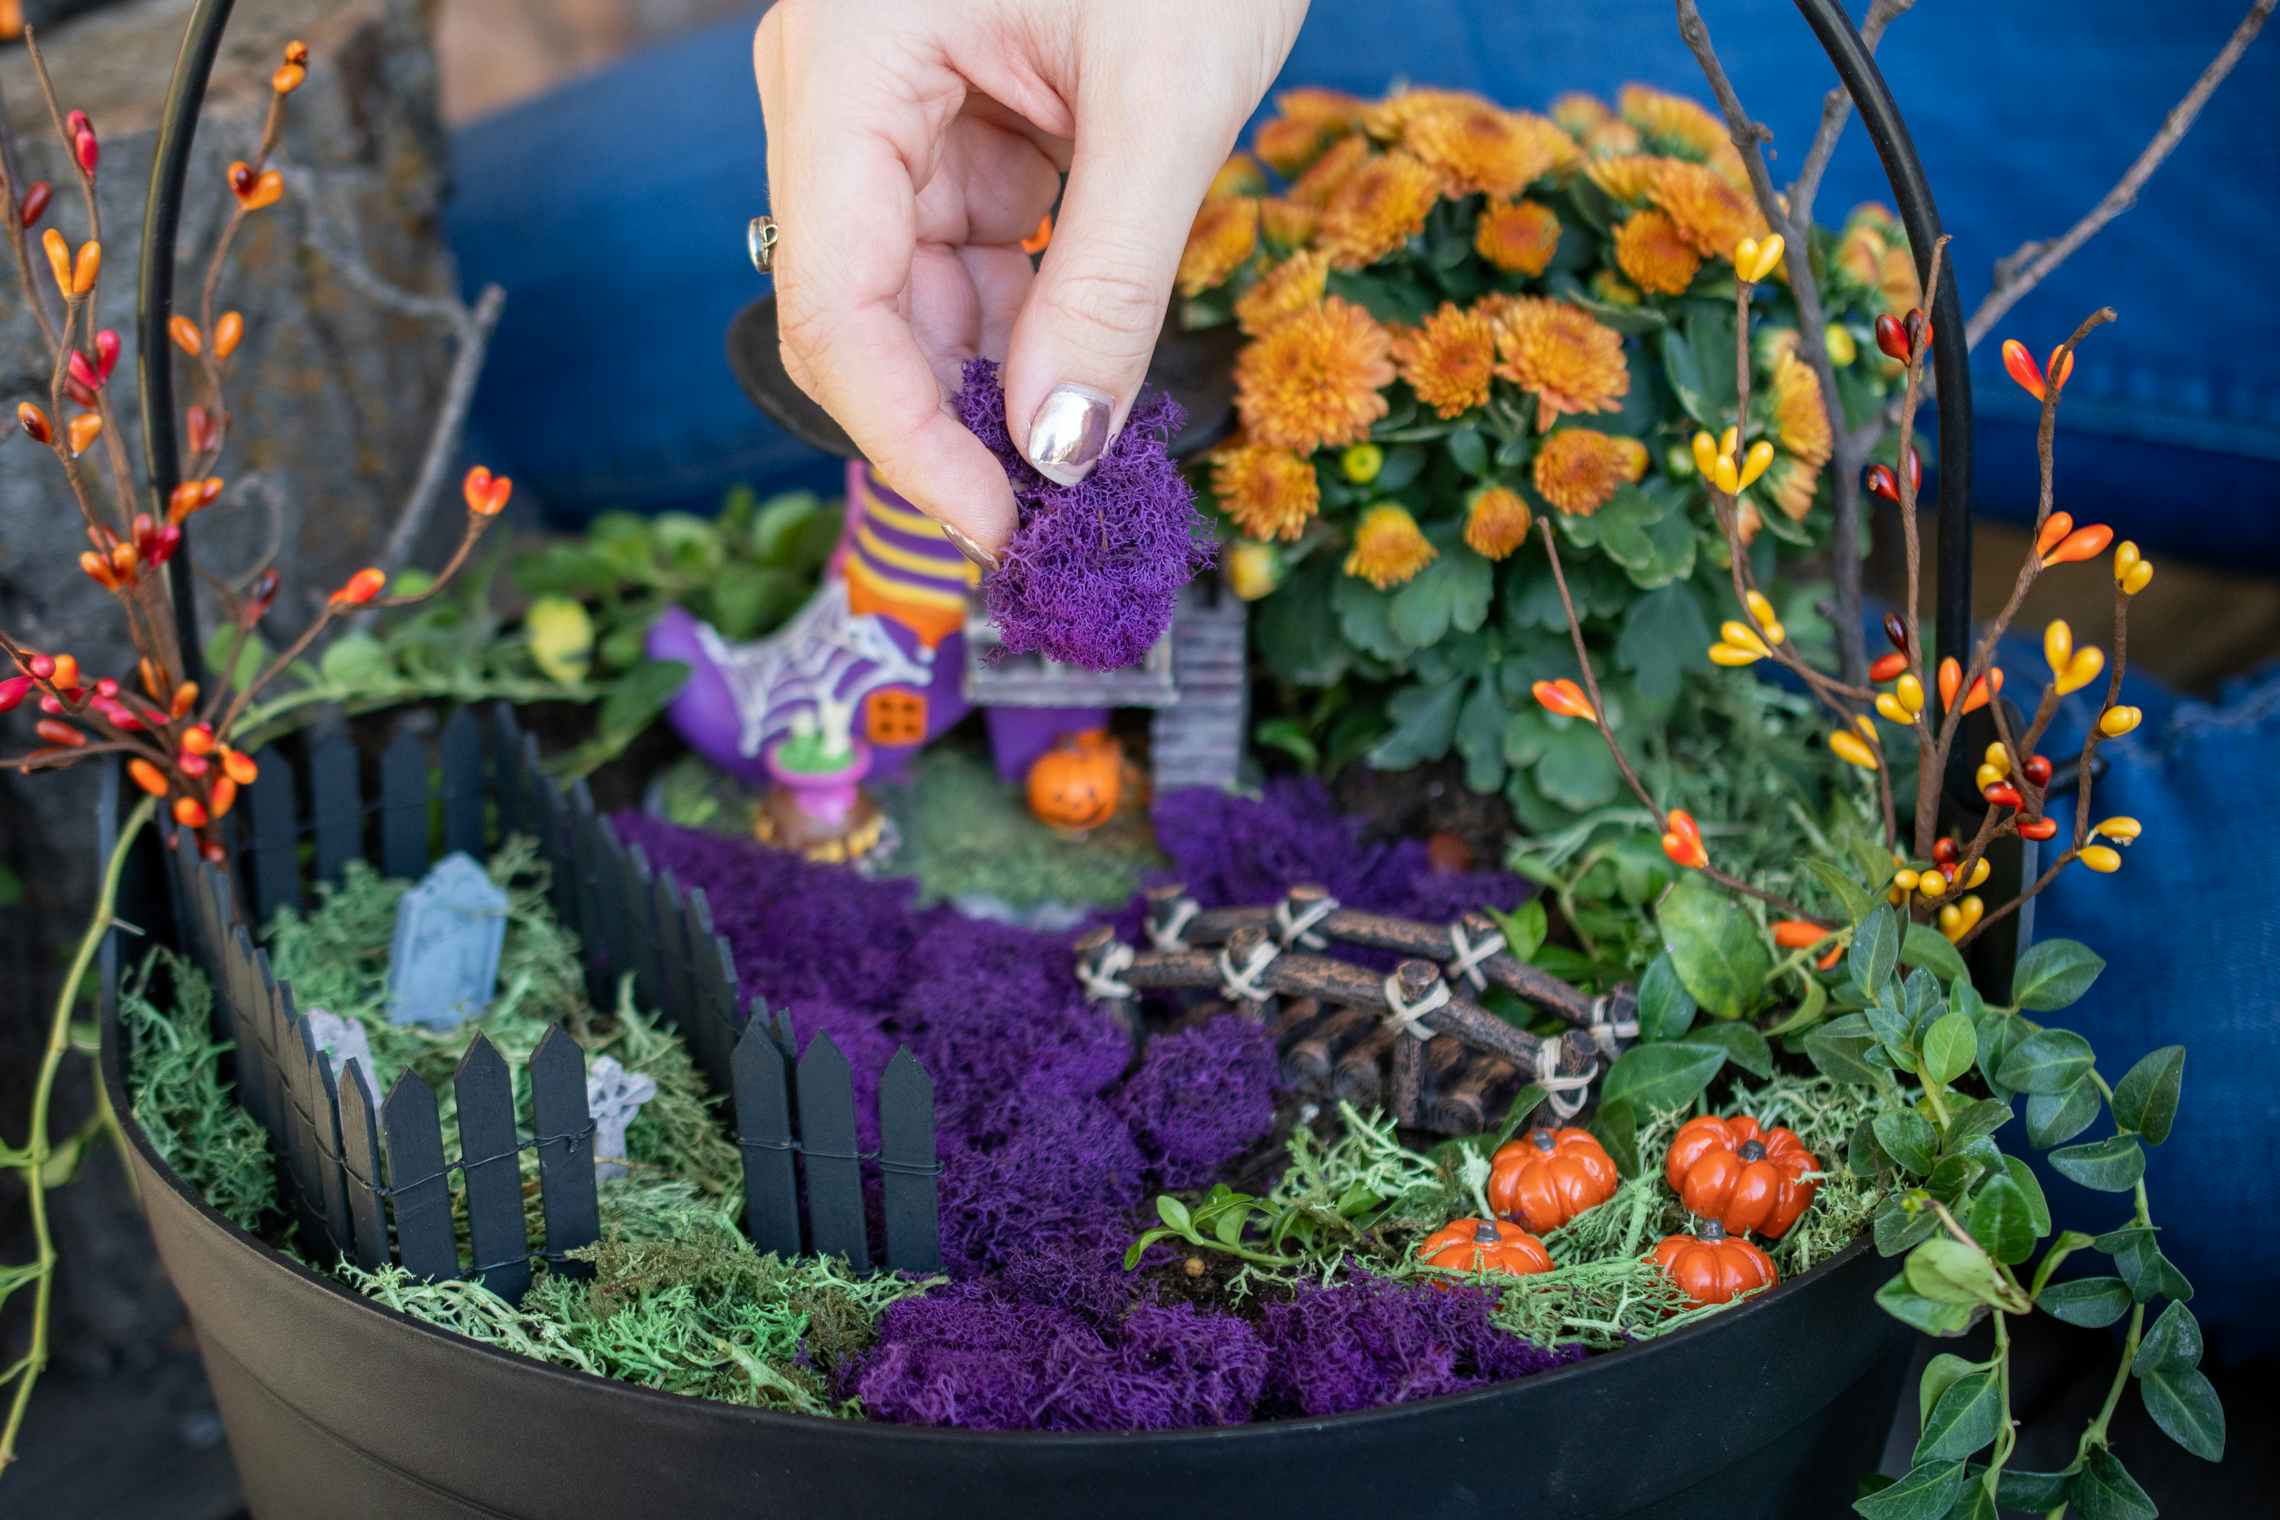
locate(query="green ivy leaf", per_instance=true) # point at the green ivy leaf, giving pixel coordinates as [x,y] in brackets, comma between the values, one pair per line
[2001,1221]
[1469,450]
[1949,1271]
[1940,1374]
[2104,1490]
[1575,769]
[1926,1493]
[1364,617]
[1480,737]
[1897,1229]
[1950,1046]
[2055,1118]
[1930,1316]
[2137,1256]
[1907,1137]
[358,661]
[1174,1213]
[2038,1207]
[1983,1116]
[2047,1061]
[1616,1128]
[1925,947]
[1666,1008]
[2185,1405]
[1964,1419]
[1745,1047]
[2090,1302]
[1840,1049]
[2173,1343]
[1855,898]
[1668,1075]
[1719,955]
[2112,1165]
[640,695]
[2035,1492]
[2146,1098]
[2053,974]
[1892,1027]
[1875,951]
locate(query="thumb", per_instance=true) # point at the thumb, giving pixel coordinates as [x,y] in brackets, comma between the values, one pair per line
[1089,326]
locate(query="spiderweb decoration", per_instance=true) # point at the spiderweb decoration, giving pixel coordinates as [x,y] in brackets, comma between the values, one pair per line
[825,658]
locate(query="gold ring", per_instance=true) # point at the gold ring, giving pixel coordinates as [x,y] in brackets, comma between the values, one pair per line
[760,241]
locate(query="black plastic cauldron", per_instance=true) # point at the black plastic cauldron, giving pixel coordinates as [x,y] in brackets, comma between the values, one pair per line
[335,1406]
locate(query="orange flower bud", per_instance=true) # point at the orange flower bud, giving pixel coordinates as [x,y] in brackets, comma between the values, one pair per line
[61,735]
[238,767]
[1797,933]
[191,497]
[190,812]
[1951,677]
[59,259]
[2081,544]
[85,268]
[185,334]
[229,327]
[150,679]
[66,676]
[84,430]
[198,739]
[148,777]
[486,493]
[223,794]
[1682,840]
[2054,527]
[98,570]
[34,422]
[297,52]
[288,78]
[360,588]
[255,191]
[185,698]
[1565,698]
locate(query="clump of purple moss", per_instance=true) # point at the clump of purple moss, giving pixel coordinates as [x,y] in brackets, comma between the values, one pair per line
[1092,571]
[1372,1342]
[1200,1097]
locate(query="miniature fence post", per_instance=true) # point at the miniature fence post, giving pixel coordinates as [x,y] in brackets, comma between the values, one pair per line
[404,807]
[641,909]
[708,1020]
[460,758]
[235,988]
[502,741]
[834,1169]
[620,916]
[336,802]
[274,803]
[583,852]
[301,1115]
[669,928]
[360,1168]
[418,1195]
[565,1147]
[909,1167]
[490,1171]
[764,1133]
[332,1189]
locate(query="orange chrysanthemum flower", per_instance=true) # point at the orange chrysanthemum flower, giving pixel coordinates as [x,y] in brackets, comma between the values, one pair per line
[1240,175]
[1579,112]
[1672,120]
[1800,419]
[1389,549]
[1496,522]
[1315,378]
[1790,484]
[1711,214]
[1628,177]
[1520,236]
[1873,249]
[1330,107]
[1320,182]
[1479,147]
[1266,492]
[1613,139]
[1579,470]
[1650,250]
[1381,206]
[1224,234]
[1286,223]
[1449,360]
[1389,118]
[1290,145]
[1571,362]
[1293,286]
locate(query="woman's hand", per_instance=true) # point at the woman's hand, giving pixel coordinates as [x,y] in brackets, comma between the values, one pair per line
[913,144]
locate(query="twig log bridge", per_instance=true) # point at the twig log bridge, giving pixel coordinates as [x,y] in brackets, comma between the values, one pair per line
[1438,1059]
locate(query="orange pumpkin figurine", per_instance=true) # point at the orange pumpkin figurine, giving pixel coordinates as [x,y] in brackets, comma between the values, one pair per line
[1077,784]
[1712,1267]
[1485,1245]
[1746,1179]
[1548,1176]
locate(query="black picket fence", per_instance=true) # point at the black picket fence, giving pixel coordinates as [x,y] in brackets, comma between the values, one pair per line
[371,1180]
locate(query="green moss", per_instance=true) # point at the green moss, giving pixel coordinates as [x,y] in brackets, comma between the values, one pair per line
[965,833]
[180,1099]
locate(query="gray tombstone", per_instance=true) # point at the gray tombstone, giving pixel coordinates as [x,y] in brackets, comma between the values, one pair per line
[342,1039]
[444,963]
[613,1098]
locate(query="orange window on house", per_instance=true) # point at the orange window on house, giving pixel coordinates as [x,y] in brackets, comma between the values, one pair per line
[895,716]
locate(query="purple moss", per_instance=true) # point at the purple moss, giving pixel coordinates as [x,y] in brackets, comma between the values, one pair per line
[1372,1342]
[1090,576]
[1200,1098]
[979,1357]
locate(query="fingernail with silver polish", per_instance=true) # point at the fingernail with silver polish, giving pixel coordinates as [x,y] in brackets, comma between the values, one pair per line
[969,548]
[1070,433]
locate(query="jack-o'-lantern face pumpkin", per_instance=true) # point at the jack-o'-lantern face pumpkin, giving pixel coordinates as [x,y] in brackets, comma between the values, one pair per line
[1077,784]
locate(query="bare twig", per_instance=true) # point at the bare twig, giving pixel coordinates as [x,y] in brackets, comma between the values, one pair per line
[1836,110]
[1846,454]
[2026,267]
